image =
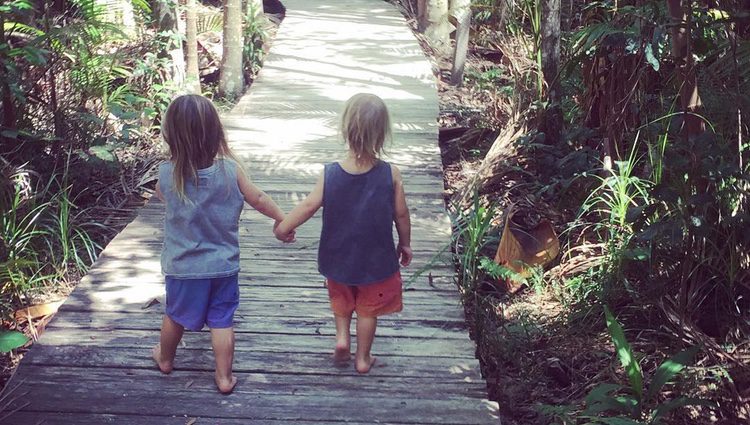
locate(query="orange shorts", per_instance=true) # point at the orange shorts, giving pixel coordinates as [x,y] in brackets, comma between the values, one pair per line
[371,300]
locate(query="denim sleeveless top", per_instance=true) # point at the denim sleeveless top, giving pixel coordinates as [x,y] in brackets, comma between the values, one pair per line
[201,234]
[356,243]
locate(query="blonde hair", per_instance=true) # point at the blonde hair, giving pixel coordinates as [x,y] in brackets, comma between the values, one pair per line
[365,126]
[195,136]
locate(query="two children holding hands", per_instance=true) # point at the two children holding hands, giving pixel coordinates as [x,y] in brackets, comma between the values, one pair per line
[204,188]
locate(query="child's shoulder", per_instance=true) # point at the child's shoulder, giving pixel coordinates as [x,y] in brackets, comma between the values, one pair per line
[165,166]
[395,173]
[227,162]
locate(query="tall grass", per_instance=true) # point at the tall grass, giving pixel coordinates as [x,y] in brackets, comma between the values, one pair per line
[606,218]
[255,35]
[44,238]
[471,235]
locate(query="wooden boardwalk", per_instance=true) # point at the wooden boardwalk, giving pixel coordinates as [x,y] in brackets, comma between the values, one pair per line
[93,364]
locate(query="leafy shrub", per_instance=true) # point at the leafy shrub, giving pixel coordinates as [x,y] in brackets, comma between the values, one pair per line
[636,403]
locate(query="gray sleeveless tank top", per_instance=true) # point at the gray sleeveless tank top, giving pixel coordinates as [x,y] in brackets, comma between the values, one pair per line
[356,243]
[201,235]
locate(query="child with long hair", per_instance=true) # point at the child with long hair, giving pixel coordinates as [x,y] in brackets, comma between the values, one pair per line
[204,189]
[362,196]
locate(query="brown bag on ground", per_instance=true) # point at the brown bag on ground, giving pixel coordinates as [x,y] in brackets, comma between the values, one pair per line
[521,247]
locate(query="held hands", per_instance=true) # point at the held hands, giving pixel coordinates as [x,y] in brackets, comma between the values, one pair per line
[286,237]
[404,254]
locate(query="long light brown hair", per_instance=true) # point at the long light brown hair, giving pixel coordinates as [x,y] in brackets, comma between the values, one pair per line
[195,136]
[365,126]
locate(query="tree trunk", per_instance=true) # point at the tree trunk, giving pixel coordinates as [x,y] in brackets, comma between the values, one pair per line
[422,15]
[553,120]
[166,23]
[462,16]
[438,28]
[192,80]
[690,100]
[743,22]
[231,81]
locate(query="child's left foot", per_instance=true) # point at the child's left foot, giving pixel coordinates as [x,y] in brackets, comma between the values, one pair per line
[164,366]
[342,353]
[364,365]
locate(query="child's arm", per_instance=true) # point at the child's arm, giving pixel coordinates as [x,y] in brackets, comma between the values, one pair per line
[301,213]
[257,198]
[401,218]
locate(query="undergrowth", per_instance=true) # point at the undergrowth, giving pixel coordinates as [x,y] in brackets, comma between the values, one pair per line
[652,220]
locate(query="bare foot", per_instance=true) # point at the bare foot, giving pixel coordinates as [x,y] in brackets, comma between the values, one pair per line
[226,386]
[364,365]
[342,353]
[164,366]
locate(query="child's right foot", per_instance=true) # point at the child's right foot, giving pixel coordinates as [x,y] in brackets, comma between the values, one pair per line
[226,386]
[364,365]
[164,366]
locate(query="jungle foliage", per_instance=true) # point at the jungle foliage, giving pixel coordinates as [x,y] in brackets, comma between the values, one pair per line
[83,84]
[648,186]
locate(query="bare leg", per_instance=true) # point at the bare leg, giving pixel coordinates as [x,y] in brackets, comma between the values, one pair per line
[365,335]
[164,352]
[222,341]
[342,352]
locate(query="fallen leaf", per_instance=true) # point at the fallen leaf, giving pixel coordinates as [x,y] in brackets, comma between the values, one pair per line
[191,421]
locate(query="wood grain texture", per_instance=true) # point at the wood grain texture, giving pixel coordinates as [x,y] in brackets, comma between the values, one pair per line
[93,364]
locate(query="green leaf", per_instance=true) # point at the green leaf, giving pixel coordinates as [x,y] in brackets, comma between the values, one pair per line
[102,153]
[10,27]
[625,354]
[599,392]
[10,340]
[497,271]
[651,58]
[637,254]
[621,404]
[671,405]
[669,369]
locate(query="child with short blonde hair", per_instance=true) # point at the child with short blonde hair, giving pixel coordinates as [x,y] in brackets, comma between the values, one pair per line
[362,197]
[204,189]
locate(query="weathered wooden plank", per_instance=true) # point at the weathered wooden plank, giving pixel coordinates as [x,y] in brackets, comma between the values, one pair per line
[109,399]
[117,337]
[261,324]
[134,301]
[259,260]
[250,295]
[307,287]
[429,282]
[130,380]
[248,361]
[58,417]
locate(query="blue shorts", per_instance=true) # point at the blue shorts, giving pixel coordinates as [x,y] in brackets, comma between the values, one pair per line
[195,302]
